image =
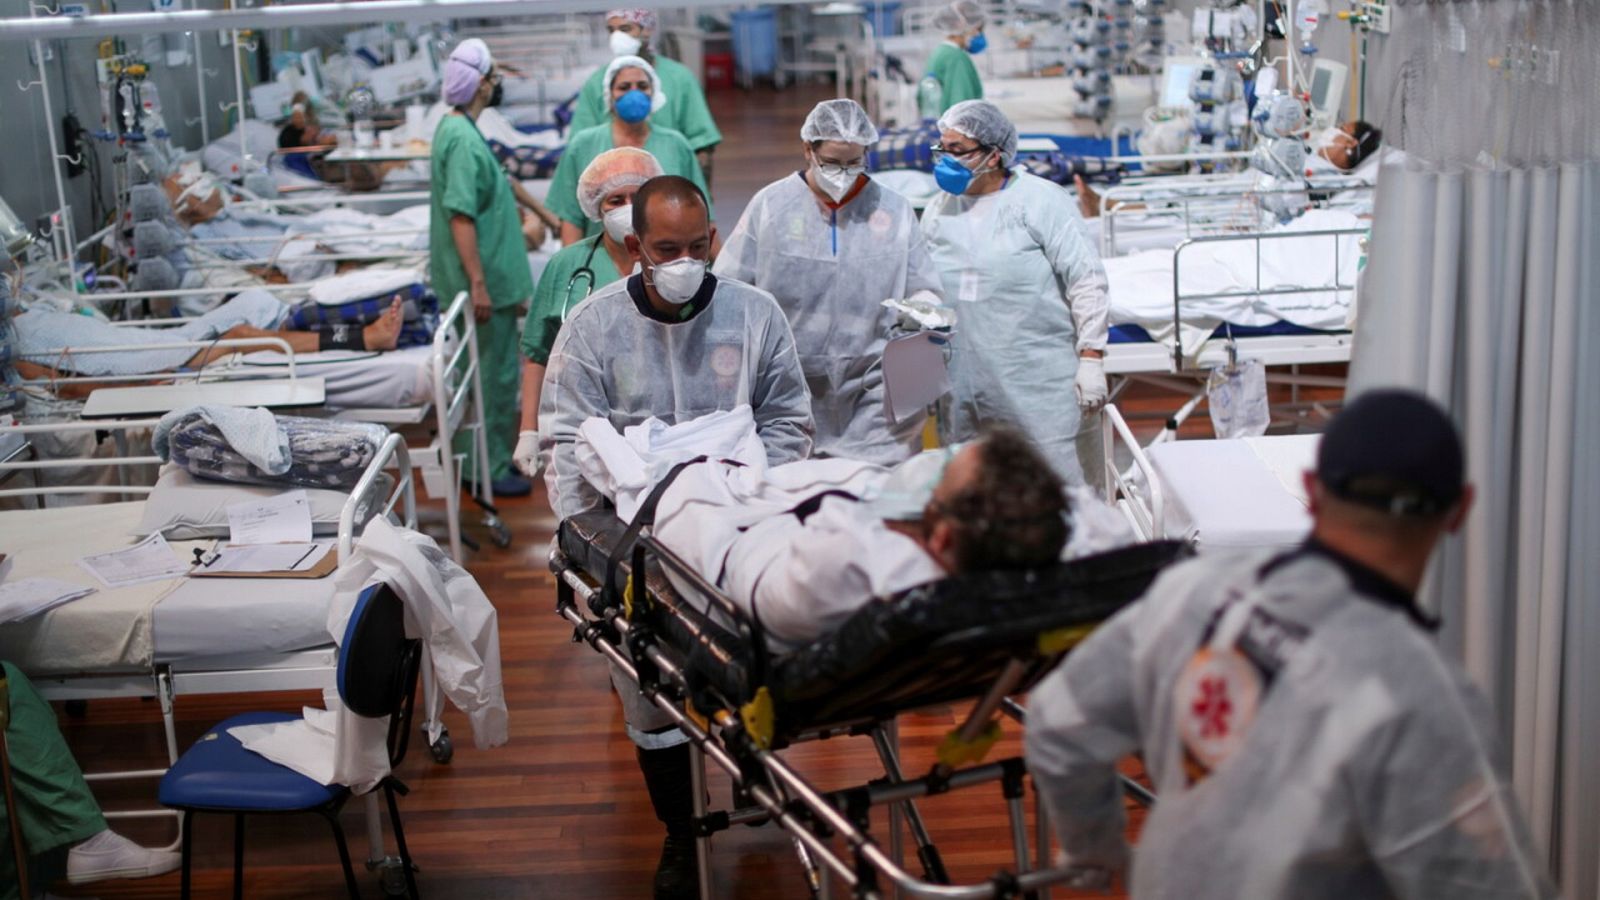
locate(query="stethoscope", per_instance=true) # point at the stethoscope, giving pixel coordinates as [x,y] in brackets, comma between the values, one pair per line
[584,273]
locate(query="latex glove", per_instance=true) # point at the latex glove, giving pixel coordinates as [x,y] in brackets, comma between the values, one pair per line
[1090,385]
[526,456]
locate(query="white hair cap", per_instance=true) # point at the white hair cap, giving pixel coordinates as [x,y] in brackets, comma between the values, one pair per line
[983,122]
[658,97]
[839,120]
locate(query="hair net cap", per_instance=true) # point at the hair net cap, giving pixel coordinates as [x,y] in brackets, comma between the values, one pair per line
[983,122]
[658,98]
[639,16]
[959,17]
[610,172]
[839,120]
[469,63]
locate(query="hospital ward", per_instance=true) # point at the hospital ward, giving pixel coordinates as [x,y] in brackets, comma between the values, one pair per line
[800,449]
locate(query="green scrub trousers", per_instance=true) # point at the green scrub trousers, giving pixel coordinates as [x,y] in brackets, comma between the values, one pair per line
[667,146]
[53,801]
[952,67]
[560,289]
[686,111]
[468,180]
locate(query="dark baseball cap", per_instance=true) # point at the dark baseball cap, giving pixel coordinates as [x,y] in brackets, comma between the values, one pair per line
[1394,450]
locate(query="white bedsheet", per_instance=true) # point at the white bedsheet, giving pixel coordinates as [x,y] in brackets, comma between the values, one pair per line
[128,628]
[208,617]
[355,378]
[1236,493]
[109,630]
[1141,283]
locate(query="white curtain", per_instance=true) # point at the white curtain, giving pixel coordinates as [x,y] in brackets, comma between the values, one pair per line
[1483,290]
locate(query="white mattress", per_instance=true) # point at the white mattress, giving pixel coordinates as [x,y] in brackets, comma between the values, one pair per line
[109,630]
[1236,493]
[206,617]
[128,628]
[392,380]
[1141,283]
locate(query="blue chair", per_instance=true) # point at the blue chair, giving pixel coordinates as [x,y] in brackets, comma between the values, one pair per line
[377,676]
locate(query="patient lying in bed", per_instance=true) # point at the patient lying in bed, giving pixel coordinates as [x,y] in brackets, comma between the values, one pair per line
[797,547]
[42,334]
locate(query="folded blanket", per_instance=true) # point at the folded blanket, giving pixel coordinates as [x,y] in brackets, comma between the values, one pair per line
[253,446]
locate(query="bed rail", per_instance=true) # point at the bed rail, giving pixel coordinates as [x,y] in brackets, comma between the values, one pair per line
[57,355]
[1335,235]
[1203,207]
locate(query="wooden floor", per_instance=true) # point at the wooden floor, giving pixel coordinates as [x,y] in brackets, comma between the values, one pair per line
[560,811]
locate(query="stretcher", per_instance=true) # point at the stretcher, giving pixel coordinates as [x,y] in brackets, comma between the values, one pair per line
[979,637]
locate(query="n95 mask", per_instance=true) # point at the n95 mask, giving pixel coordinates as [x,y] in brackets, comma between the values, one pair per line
[625,44]
[618,222]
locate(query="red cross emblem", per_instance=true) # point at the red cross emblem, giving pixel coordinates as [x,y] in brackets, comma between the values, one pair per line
[1212,707]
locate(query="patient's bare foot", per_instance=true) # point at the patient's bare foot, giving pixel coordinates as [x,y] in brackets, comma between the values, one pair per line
[384,333]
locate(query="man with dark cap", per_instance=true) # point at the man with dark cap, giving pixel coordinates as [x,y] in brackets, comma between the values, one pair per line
[1305,736]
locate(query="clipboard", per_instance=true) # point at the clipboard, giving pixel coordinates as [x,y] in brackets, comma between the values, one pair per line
[216,563]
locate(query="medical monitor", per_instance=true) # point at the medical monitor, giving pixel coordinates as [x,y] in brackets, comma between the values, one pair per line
[1178,74]
[311,72]
[1327,91]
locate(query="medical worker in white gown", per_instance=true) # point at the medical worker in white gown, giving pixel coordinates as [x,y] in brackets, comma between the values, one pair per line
[831,245]
[1029,295]
[674,342]
[1305,735]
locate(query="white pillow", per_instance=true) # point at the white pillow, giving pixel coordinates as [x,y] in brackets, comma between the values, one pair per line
[185,508]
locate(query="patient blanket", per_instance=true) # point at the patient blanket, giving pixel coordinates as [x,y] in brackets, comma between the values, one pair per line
[253,446]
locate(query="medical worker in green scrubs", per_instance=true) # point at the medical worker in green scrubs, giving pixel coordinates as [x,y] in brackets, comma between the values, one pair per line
[635,97]
[476,245]
[605,191]
[64,833]
[685,112]
[950,67]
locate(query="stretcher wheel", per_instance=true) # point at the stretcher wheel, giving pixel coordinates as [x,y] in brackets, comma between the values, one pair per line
[392,878]
[442,750]
[499,532]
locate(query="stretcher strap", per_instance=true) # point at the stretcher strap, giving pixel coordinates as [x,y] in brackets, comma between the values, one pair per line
[1060,640]
[645,516]
[760,718]
[955,752]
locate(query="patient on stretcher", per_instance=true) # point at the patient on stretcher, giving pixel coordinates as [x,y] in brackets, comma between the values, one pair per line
[802,547]
[42,334]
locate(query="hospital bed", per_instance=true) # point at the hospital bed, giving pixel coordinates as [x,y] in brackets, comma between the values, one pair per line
[185,636]
[1284,298]
[707,665]
[1213,494]
[436,385]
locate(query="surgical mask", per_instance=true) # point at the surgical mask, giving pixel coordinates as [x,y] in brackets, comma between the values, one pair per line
[625,44]
[836,181]
[634,106]
[618,222]
[678,281]
[953,176]
[976,45]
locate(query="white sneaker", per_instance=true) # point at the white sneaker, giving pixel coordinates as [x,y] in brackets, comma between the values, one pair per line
[110,855]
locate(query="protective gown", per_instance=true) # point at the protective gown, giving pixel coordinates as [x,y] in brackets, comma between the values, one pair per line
[1029,294]
[830,271]
[1368,771]
[613,360]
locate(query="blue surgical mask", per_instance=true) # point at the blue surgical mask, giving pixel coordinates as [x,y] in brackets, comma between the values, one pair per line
[952,176]
[634,106]
[977,44]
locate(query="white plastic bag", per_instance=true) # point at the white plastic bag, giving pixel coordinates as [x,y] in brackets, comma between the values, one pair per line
[1238,400]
